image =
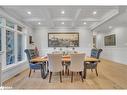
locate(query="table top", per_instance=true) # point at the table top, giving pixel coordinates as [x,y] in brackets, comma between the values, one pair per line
[64,58]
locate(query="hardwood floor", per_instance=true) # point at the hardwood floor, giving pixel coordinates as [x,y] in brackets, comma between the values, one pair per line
[111,76]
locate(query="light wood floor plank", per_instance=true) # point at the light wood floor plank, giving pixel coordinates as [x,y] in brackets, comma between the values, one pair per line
[111,76]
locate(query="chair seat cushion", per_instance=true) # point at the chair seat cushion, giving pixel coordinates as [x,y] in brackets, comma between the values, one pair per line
[35,66]
[91,65]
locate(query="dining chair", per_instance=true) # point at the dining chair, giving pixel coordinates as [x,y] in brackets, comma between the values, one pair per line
[77,64]
[67,64]
[55,65]
[95,53]
[31,53]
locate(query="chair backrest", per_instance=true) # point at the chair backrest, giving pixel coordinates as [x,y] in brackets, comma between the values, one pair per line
[96,53]
[31,53]
[57,52]
[77,62]
[55,62]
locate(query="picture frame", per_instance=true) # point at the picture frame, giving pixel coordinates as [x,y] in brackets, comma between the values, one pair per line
[64,39]
[110,40]
[30,40]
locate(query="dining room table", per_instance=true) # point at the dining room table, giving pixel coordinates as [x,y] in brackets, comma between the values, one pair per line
[65,59]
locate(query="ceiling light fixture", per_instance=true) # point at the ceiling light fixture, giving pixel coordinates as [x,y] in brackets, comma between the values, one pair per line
[39,23]
[62,23]
[94,12]
[110,27]
[84,23]
[62,12]
[29,12]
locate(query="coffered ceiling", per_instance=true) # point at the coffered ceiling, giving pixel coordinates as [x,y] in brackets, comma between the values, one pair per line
[62,16]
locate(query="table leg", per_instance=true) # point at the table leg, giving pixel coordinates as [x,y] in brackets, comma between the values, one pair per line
[84,76]
[41,70]
[44,70]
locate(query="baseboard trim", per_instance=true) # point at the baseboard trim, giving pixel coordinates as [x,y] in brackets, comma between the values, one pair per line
[113,61]
[9,73]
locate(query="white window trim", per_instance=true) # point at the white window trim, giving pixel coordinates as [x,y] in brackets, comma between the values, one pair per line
[16,32]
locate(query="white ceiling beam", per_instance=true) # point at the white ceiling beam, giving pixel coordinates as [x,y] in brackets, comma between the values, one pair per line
[90,20]
[62,19]
[33,19]
[77,14]
[76,17]
[106,18]
[48,17]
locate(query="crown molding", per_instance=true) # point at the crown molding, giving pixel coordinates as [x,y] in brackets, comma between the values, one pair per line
[106,18]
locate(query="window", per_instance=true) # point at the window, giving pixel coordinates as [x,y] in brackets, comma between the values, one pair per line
[10,56]
[19,47]
[12,38]
[10,24]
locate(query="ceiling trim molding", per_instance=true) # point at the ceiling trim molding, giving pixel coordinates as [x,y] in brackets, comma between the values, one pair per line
[62,19]
[110,15]
[33,19]
[63,29]
[91,20]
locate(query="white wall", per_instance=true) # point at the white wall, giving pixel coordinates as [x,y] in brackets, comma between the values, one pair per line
[116,53]
[11,70]
[41,39]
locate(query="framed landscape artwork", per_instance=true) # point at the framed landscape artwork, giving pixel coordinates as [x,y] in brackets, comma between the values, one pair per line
[63,39]
[110,40]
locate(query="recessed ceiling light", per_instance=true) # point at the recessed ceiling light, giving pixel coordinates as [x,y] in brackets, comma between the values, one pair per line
[84,23]
[110,27]
[62,22]
[29,12]
[39,23]
[94,12]
[62,12]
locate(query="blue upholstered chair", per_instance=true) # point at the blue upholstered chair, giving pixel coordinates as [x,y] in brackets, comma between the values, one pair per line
[93,65]
[31,53]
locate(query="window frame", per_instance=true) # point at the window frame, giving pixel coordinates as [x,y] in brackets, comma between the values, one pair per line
[20,33]
[16,32]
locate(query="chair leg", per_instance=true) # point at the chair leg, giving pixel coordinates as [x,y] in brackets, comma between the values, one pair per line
[81,76]
[30,73]
[66,68]
[42,71]
[60,76]
[50,77]
[96,71]
[68,72]
[71,76]
[62,72]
